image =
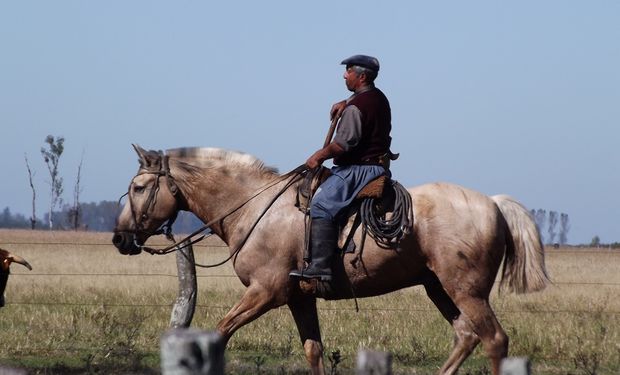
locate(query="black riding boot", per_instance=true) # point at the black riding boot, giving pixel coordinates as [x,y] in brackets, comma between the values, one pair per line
[323,242]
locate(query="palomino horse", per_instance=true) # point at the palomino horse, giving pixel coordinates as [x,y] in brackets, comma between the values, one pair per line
[458,241]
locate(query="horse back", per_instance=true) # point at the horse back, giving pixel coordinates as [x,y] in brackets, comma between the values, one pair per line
[461,233]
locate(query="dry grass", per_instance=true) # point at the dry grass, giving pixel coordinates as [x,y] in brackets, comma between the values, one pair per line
[66,315]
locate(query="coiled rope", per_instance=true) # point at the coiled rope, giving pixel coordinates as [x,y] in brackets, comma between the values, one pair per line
[388,229]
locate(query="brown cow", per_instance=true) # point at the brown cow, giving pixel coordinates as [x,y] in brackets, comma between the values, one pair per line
[6,259]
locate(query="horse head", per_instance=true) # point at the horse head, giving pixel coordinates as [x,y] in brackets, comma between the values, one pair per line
[150,203]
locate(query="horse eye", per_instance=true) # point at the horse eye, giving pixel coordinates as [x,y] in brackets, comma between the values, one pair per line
[138,189]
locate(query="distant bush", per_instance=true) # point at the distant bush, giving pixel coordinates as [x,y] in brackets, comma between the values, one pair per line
[9,220]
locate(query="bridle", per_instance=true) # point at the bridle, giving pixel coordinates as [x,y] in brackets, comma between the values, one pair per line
[161,168]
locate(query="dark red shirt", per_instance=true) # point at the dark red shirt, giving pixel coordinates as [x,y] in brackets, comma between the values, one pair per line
[364,129]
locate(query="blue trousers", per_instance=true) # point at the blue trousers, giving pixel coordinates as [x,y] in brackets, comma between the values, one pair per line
[339,190]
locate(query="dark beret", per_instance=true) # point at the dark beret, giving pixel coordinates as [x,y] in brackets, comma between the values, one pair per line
[362,60]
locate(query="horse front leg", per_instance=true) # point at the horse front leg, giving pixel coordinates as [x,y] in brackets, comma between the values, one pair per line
[255,302]
[306,318]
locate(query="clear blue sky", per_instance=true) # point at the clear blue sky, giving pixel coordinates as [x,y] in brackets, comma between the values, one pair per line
[521,98]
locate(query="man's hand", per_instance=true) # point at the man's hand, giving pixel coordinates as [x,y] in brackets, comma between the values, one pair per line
[337,109]
[315,160]
[332,150]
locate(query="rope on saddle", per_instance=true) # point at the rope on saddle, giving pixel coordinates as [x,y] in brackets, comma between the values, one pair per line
[388,229]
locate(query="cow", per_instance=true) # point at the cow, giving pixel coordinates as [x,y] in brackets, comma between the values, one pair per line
[6,258]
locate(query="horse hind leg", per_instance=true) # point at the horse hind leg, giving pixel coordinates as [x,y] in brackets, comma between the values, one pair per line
[306,318]
[465,339]
[485,324]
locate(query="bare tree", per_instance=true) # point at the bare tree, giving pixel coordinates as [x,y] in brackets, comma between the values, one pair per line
[51,155]
[553,222]
[75,212]
[33,218]
[564,228]
[540,217]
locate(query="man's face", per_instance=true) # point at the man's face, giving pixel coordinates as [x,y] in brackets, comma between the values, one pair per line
[353,80]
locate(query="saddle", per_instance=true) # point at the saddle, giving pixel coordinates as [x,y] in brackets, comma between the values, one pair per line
[371,205]
[382,209]
[374,189]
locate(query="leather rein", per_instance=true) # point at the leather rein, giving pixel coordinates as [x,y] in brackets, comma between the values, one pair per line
[163,170]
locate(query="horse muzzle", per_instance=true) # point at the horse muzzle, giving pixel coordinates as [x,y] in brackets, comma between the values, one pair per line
[126,243]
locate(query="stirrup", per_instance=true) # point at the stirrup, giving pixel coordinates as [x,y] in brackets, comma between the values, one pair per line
[302,275]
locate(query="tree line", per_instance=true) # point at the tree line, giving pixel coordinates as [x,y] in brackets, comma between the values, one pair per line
[76,215]
[101,216]
[557,226]
[94,216]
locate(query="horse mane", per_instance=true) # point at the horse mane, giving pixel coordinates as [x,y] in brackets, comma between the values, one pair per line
[192,158]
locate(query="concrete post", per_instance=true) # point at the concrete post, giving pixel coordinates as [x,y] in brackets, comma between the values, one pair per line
[187,351]
[12,371]
[185,304]
[373,363]
[515,366]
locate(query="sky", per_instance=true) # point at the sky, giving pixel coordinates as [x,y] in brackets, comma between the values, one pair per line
[518,98]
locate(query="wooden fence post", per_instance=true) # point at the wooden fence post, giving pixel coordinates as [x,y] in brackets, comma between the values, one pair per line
[185,304]
[187,351]
[373,363]
[515,366]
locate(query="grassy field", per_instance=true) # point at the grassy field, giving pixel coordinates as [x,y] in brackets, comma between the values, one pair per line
[87,309]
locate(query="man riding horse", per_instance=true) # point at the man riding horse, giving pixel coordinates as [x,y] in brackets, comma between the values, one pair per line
[360,149]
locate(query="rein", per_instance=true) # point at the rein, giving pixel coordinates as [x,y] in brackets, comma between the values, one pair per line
[295,173]
[189,239]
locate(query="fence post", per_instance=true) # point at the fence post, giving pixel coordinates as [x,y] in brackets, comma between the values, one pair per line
[187,351]
[185,304]
[373,363]
[515,366]
[12,371]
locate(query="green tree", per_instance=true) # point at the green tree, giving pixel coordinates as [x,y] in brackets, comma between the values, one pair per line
[51,154]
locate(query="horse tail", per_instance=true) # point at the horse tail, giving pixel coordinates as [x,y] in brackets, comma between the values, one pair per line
[524,263]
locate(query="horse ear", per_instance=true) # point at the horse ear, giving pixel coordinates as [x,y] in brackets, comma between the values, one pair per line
[139,150]
[141,154]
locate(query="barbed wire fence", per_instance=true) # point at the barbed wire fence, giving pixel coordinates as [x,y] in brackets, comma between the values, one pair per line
[250,354]
[233,276]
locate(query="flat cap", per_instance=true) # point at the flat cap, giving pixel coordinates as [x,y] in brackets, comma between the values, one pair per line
[362,60]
